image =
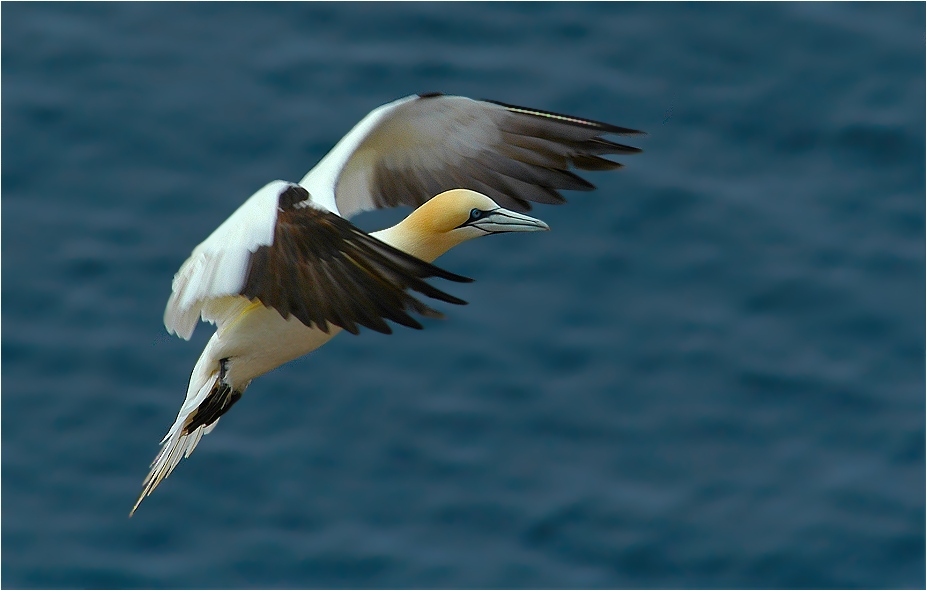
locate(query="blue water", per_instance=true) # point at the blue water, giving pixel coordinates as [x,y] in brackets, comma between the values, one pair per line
[709,374]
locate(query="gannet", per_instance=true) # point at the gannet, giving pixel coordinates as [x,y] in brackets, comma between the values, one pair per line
[287,271]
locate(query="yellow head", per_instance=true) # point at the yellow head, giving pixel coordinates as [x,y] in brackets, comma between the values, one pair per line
[453,217]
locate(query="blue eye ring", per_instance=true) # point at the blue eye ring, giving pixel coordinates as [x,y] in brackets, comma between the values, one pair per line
[475,214]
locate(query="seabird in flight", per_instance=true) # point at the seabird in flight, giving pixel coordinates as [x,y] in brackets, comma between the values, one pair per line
[287,271]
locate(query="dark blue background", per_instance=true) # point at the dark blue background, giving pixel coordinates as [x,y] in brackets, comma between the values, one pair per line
[709,374]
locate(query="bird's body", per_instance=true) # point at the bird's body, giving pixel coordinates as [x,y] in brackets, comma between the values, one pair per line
[258,340]
[286,272]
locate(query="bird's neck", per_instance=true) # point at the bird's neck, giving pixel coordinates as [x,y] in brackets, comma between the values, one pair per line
[415,235]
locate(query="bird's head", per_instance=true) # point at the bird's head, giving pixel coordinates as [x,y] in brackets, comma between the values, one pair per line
[456,216]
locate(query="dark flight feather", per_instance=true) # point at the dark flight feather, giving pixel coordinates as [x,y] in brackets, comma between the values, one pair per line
[324,270]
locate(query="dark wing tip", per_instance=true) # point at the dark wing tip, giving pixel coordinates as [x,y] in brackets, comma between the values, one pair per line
[445,274]
[586,162]
[429,94]
[569,119]
[615,148]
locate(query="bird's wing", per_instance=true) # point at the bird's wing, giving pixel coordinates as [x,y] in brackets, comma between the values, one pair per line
[410,150]
[218,265]
[284,251]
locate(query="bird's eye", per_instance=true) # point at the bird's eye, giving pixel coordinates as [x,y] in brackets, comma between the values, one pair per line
[475,214]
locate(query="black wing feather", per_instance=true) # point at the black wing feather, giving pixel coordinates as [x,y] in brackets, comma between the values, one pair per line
[324,270]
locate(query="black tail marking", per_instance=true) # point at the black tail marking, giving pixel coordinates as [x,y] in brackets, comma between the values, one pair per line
[216,404]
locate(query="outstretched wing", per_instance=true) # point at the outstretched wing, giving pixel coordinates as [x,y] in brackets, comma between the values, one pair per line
[408,151]
[302,261]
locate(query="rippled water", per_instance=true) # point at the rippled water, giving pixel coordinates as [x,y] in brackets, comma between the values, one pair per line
[709,374]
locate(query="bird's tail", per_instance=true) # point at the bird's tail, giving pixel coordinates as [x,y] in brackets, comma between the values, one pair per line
[208,397]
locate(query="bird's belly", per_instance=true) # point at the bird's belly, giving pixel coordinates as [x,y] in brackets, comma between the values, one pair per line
[261,340]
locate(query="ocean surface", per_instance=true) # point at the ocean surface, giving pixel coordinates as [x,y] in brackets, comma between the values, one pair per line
[710,374]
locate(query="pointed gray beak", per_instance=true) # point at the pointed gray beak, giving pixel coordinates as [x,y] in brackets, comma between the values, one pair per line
[501,220]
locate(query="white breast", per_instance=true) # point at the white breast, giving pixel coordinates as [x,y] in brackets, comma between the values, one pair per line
[260,340]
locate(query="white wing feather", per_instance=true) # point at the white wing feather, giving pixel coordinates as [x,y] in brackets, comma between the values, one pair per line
[426,137]
[218,266]
[322,179]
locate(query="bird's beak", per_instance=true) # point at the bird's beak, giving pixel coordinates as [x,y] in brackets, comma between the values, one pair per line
[501,220]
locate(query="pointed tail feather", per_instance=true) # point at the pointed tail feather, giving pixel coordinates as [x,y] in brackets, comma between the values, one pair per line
[177,447]
[177,444]
[208,398]
[187,431]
